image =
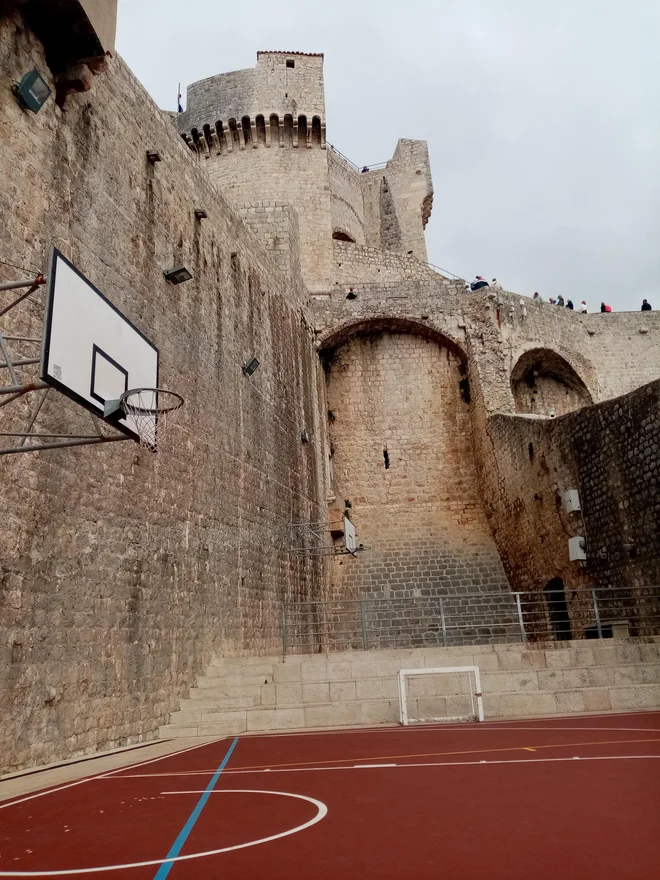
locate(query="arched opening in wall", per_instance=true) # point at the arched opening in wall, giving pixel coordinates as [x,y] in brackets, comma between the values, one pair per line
[401,435]
[247,130]
[288,130]
[207,135]
[544,383]
[560,621]
[194,134]
[233,128]
[340,235]
[261,129]
[274,128]
[220,134]
[316,130]
[302,129]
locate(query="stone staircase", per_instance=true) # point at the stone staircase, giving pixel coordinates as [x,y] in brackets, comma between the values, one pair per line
[238,695]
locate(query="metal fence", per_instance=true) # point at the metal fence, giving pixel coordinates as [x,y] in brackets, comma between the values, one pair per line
[469,619]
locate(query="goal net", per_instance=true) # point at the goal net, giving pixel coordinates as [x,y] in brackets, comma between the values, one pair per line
[449,693]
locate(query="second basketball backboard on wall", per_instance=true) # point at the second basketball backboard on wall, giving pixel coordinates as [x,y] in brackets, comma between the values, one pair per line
[349,536]
[91,352]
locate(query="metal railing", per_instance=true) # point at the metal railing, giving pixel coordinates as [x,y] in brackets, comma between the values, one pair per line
[469,619]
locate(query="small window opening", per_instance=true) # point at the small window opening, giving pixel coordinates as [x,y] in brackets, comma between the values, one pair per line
[530,450]
[290,62]
[386,458]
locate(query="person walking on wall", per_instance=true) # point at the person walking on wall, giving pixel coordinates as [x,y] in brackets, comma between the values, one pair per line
[560,300]
[583,307]
[478,283]
[605,308]
[496,284]
[569,304]
[646,306]
[537,295]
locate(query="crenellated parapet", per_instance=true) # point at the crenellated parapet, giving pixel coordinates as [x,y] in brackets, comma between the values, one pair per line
[232,135]
[280,102]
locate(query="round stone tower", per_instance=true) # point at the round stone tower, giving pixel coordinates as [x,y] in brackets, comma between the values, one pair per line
[262,132]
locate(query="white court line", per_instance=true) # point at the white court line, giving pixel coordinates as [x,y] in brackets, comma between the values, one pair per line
[321,811]
[464,725]
[362,766]
[430,764]
[106,775]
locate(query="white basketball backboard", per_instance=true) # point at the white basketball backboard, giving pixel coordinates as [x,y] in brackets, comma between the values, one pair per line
[91,352]
[349,535]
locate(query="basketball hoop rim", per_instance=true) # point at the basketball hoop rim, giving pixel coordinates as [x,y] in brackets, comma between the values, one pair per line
[177,401]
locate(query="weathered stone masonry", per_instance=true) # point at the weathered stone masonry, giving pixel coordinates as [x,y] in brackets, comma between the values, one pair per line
[122,572]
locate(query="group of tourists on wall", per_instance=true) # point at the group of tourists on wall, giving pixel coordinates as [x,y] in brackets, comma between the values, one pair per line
[480,282]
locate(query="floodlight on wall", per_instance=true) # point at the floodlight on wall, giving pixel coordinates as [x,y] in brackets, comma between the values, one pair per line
[251,367]
[32,91]
[577,549]
[153,156]
[200,214]
[572,501]
[177,275]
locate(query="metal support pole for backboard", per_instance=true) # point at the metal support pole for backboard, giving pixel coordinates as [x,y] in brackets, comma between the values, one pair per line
[8,362]
[283,620]
[89,441]
[33,285]
[34,414]
[597,614]
[443,623]
[363,617]
[523,634]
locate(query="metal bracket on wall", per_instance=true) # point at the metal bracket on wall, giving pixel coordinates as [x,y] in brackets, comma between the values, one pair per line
[314,539]
[20,384]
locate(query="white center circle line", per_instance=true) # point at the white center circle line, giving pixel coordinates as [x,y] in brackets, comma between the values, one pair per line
[321,811]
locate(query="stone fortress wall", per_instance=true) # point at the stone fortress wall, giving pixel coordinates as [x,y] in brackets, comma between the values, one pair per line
[122,573]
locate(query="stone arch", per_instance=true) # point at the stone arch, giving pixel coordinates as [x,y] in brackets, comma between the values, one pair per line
[316,130]
[260,124]
[247,130]
[220,134]
[302,128]
[339,335]
[287,133]
[233,128]
[545,383]
[342,235]
[402,460]
[274,128]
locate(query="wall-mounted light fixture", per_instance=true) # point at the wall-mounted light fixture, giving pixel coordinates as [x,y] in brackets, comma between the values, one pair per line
[153,156]
[250,367]
[200,214]
[32,91]
[304,436]
[177,275]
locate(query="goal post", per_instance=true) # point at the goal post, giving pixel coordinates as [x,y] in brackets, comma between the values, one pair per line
[446,693]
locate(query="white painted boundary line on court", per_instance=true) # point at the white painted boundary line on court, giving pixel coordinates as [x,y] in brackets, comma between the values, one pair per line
[321,812]
[480,763]
[105,774]
[438,670]
[463,725]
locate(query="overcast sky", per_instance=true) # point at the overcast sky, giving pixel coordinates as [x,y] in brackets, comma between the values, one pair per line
[542,118]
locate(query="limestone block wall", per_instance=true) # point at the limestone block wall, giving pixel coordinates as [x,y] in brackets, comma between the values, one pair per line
[121,572]
[398,199]
[357,264]
[609,452]
[347,199]
[270,87]
[275,176]
[402,462]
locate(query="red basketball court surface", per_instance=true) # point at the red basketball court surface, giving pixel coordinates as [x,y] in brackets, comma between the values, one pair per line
[571,798]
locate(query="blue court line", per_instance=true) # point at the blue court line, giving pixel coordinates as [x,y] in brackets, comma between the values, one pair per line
[166,867]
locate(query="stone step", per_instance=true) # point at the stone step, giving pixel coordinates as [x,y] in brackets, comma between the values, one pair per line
[382,711]
[228,687]
[249,673]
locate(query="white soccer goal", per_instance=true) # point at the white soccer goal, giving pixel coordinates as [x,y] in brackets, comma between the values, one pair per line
[447,693]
